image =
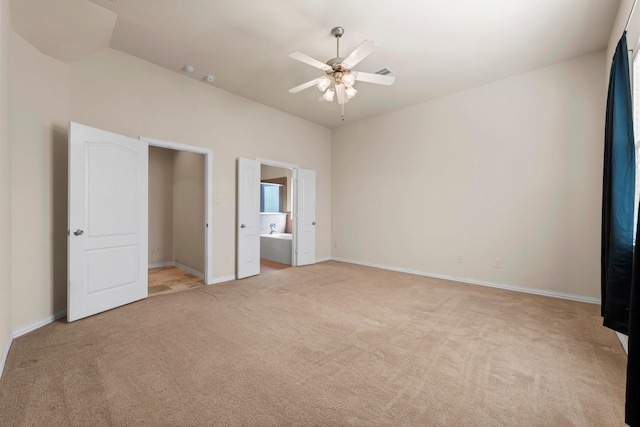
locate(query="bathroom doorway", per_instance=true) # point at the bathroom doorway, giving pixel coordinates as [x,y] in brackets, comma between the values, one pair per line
[248,216]
[276,218]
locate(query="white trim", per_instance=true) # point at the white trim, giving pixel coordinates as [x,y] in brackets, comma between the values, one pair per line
[178,265]
[175,145]
[25,330]
[323,259]
[188,269]
[223,279]
[208,214]
[276,164]
[294,218]
[39,324]
[5,354]
[624,340]
[553,294]
[208,191]
[161,264]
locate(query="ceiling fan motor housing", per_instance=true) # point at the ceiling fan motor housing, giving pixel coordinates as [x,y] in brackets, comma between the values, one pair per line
[335,64]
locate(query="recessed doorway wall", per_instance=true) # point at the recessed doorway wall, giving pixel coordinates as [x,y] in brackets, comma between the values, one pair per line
[191,207]
[176,219]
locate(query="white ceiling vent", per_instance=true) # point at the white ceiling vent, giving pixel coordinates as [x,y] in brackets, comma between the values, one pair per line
[386,72]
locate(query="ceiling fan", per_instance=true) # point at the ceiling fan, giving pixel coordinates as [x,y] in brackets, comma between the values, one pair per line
[340,76]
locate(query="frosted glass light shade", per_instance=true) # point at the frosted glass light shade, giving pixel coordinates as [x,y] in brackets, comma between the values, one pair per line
[323,83]
[351,92]
[348,79]
[328,95]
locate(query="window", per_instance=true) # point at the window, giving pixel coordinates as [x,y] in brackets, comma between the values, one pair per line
[270,197]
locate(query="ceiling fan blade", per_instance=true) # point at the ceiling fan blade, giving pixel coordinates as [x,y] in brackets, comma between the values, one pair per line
[303,86]
[341,94]
[374,78]
[361,52]
[309,60]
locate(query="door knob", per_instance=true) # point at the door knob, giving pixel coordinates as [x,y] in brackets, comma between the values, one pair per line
[243,226]
[313,223]
[78,232]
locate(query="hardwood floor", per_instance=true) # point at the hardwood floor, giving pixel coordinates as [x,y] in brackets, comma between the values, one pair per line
[166,280]
[267,266]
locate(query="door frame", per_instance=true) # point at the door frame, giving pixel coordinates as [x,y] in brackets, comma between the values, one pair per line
[208,196]
[294,189]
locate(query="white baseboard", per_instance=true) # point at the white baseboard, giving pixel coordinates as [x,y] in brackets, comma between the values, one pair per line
[160,264]
[189,270]
[553,294]
[25,330]
[5,353]
[323,259]
[222,280]
[40,323]
[177,265]
[624,340]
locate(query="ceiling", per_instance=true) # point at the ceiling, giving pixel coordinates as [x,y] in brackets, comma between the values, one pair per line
[435,47]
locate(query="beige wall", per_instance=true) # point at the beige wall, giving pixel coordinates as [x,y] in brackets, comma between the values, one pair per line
[39,114]
[633,32]
[188,210]
[160,205]
[510,170]
[176,208]
[114,91]
[5,183]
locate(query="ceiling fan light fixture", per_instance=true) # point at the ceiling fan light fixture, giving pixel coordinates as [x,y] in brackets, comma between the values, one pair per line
[348,79]
[340,75]
[323,83]
[350,91]
[328,95]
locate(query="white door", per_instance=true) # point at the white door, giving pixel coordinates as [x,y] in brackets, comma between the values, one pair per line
[305,234]
[107,236]
[248,241]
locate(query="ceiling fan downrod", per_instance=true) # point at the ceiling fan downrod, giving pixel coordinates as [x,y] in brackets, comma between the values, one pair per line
[337,32]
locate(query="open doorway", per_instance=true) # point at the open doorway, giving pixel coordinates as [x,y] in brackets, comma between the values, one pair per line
[276,218]
[176,220]
[248,216]
[180,238]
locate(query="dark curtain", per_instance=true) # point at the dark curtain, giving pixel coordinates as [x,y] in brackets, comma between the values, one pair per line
[618,196]
[620,265]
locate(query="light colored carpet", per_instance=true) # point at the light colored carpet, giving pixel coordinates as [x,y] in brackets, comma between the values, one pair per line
[326,345]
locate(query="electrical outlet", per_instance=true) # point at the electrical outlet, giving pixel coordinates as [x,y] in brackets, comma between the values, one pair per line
[460,259]
[335,245]
[497,263]
[158,249]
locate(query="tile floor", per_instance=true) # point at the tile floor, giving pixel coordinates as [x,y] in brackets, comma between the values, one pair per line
[169,279]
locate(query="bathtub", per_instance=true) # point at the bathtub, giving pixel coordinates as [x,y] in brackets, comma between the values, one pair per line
[276,247]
